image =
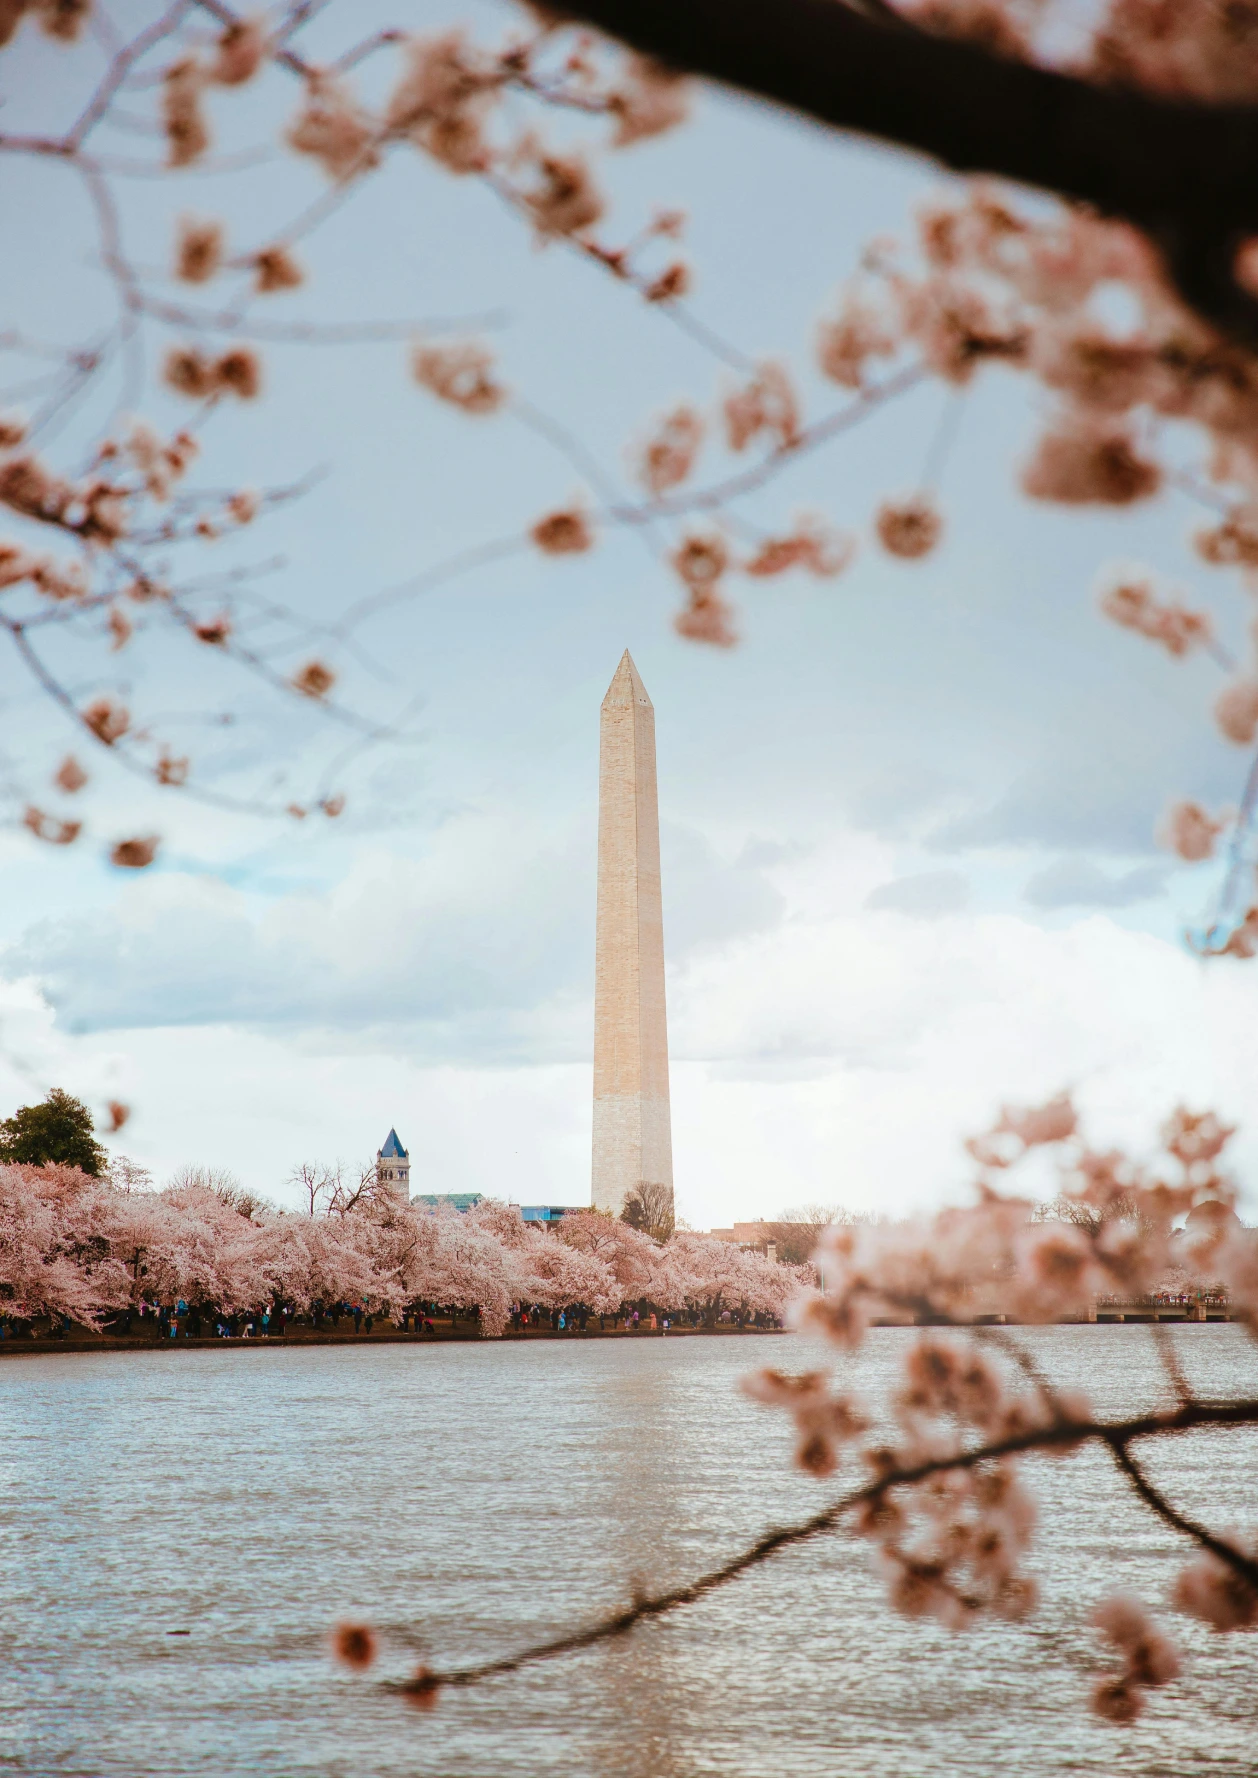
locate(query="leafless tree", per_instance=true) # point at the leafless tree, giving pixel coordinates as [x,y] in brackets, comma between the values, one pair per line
[650,1208]
[796,1232]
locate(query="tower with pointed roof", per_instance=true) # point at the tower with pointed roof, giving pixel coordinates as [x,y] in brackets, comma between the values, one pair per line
[393,1167]
[633,1141]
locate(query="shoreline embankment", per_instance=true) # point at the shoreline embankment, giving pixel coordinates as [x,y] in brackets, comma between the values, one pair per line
[38,1345]
[49,1344]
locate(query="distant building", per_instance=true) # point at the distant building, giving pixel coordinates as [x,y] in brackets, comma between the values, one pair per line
[547,1212]
[460,1201]
[393,1166]
[745,1234]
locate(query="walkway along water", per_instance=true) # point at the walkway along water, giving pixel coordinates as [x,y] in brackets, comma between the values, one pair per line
[161,1332]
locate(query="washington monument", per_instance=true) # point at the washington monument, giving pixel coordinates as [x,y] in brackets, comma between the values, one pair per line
[633,1138]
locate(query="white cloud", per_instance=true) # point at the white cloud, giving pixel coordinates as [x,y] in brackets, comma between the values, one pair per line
[846,1059]
[926,894]
[256,1102]
[831,1053]
[480,947]
[1081,883]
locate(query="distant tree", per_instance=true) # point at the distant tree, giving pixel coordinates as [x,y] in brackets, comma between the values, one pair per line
[650,1208]
[318,1184]
[1090,1217]
[335,1188]
[58,1131]
[127,1175]
[225,1187]
[798,1231]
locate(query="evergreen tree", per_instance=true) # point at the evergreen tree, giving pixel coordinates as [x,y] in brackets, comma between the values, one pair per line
[59,1130]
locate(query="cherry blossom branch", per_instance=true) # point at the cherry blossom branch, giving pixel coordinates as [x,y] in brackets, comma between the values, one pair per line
[944,438]
[512,73]
[675,310]
[279,682]
[1062,1435]
[1187,173]
[243,161]
[280,52]
[570,446]
[368,47]
[130,67]
[56,691]
[130,568]
[749,481]
[13,340]
[645,513]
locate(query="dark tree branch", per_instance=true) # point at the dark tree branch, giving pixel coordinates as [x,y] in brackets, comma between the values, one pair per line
[1062,1435]
[1186,173]
[1158,1503]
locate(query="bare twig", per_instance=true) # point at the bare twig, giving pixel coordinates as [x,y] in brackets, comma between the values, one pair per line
[1169,1357]
[118,70]
[1237,860]
[750,481]
[480,555]
[57,692]
[316,333]
[1013,1349]
[1153,1498]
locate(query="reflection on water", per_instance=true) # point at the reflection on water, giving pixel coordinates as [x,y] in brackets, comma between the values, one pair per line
[467,1499]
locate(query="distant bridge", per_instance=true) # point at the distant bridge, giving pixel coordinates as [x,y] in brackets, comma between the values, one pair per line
[1162,1306]
[1156,1306]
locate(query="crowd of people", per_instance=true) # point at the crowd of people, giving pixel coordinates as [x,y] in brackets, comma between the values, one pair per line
[196,1321]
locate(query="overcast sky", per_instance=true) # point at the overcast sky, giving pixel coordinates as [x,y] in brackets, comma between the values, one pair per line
[907,824]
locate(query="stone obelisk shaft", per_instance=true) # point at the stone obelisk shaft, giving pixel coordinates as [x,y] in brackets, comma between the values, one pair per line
[633,1141]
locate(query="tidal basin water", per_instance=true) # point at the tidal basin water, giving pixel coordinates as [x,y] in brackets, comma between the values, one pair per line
[468,1499]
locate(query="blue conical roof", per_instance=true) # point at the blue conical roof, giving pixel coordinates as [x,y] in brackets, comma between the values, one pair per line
[393,1150]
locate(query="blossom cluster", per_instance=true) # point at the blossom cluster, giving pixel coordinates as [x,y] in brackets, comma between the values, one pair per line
[950,1527]
[1193,49]
[473,108]
[1118,1226]
[131,499]
[71,1245]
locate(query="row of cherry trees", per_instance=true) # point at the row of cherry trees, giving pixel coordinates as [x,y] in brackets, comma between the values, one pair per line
[82,1247]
